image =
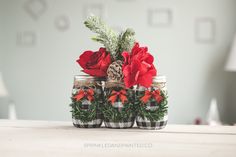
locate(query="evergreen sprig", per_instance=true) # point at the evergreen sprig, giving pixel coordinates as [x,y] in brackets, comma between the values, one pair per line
[111,113]
[152,115]
[106,36]
[125,42]
[85,115]
[113,42]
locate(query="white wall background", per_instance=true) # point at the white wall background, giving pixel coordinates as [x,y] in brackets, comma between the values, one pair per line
[3,106]
[39,77]
[1,34]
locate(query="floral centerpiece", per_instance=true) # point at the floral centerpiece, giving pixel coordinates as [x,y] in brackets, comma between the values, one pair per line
[124,66]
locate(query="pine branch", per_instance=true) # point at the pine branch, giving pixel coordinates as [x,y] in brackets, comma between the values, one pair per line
[106,35]
[152,115]
[126,40]
[86,115]
[114,114]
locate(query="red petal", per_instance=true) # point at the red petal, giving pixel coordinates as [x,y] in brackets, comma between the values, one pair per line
[126,70]
[130,72]
[127,76]
[96,65]
[126,57]
[135,49]
[145,80]
[144,67]
[105,63]
[84,58]
[148,58]
[152,71]
[102,49]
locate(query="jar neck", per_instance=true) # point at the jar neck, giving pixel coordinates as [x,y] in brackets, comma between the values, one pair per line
[159,79]
[84,80]
[159,82]
[112,83]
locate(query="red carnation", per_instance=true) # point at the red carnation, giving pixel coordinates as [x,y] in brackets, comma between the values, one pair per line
[138,67]
[95,63]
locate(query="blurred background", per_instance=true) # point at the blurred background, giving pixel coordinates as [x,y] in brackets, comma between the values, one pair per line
[192,41]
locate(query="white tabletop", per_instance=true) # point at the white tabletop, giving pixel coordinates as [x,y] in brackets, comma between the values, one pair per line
[61,139]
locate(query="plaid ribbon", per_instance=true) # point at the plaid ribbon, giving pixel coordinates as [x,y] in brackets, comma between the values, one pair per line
[156,94]
[128,123]
[152,125]
[89,94]
[118,94]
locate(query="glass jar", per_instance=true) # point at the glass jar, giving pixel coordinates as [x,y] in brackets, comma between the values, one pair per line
[152,105]
[118,109]
[87,98]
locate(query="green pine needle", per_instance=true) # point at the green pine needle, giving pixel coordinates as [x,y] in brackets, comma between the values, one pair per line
[126,40]
[106,36]
[115,44]
[111,113]
[86,115]
[152,115]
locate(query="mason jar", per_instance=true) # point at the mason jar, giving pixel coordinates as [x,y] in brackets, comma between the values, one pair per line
[118,109]
[152,105]
[87,98]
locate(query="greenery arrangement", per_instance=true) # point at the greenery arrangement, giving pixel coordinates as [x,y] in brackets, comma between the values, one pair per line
[122,113]
[114,42]
[92,111]
[125,63]
[152,115]
[84,115]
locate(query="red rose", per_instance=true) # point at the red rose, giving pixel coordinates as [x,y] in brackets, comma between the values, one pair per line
[138,68]
[95,63]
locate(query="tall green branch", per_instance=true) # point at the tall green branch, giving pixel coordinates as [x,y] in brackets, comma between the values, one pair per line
[106,35]
[115,44]
[125,42]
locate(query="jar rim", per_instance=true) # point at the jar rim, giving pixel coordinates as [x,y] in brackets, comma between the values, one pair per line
[159,78]
[111,83]
[83,78]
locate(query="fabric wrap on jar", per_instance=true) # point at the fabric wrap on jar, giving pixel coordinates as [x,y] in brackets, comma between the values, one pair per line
[87,98]
[118,109]
[152,105]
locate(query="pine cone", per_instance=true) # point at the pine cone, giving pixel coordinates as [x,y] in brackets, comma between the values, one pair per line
[114,71]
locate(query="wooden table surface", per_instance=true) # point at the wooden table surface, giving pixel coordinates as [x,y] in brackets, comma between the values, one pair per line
[61,139]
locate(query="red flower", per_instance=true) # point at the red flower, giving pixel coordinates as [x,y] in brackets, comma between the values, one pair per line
[95,63]
[138,68]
